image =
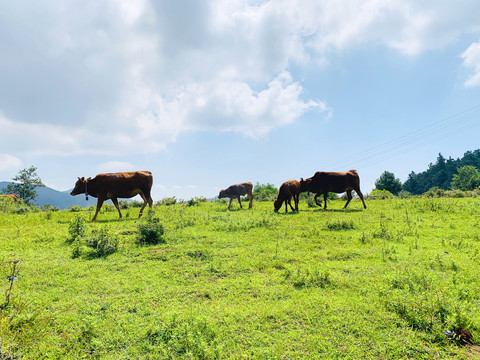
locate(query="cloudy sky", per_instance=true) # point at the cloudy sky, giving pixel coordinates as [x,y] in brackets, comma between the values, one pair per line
[209,93]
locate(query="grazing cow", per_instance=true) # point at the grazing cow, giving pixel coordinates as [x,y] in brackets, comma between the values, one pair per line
[235,191]
[337,182]
[116,185]
[11,196]
[288,190]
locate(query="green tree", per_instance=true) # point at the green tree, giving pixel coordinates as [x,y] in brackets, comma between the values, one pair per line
[467,178]
[387,181]
[264,192]
[24,184]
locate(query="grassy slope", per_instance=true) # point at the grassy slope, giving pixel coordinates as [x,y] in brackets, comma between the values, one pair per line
[378,283]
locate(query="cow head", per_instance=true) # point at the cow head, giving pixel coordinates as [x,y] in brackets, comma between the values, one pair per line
[79,187]
[222,194]
[304,184]
[277,204]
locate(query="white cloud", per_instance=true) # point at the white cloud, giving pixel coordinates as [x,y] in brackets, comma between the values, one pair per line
[471,59]
[121,77]
[8,162]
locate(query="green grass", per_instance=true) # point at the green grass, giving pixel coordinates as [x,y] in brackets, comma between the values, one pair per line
[381,283]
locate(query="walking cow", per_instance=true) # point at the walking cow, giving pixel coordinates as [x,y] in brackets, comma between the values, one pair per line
[337,182]
[235,191]
[288,190]
[116,185]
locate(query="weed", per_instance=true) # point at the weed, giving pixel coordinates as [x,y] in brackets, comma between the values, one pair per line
[150,231]
[104,242]
[77,228]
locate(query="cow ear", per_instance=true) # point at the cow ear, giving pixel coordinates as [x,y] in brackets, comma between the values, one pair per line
[89,179]
[301,179]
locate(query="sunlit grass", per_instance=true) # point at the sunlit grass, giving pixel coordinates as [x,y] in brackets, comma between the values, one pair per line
[385,282]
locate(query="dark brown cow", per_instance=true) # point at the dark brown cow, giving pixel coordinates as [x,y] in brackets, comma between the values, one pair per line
[12,196]
[288,190]
[116,185]
[337,182]
[235,191]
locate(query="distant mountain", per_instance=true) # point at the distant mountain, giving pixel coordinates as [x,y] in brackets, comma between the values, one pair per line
[60,199]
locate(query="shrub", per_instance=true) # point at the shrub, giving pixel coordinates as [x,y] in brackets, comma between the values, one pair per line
[75,208]
[150,231]
[77,228]
[168,201]
[104,242]
[48,207]
[434,192]
[380,194]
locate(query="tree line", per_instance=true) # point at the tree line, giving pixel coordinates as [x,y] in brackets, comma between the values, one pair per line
[446,174]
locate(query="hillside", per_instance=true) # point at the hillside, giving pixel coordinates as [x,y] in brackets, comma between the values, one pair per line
[384,283]
[59,199]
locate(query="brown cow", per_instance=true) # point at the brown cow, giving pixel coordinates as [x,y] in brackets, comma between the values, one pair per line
[235,191]
[337,182]
[12,196]
[116,185]
[288,190]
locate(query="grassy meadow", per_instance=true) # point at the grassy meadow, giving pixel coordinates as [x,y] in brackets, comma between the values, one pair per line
[380,283]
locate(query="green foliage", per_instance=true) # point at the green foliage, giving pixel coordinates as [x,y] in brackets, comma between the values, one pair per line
[434,192]
[441,173]
[467,178]
[24,184]
[168,201]
[150,231]
[387,181]
[104,242]
[264,192]
[77,228]
[380,195]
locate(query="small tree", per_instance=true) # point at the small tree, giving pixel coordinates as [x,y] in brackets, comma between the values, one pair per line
[24,184]
[264,192]
[387,181]
[467,178]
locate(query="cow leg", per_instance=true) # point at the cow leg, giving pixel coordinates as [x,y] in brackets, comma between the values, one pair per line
[240,202]
[115,202]
[145,201]
[296,199]
[316,200]
[325,196]
[231,199]
[251,201]
[286,209]
[99,206]
[349,197]
[361,197]
[290,203]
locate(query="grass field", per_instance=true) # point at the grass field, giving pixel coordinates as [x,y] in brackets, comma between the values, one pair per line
[381,283]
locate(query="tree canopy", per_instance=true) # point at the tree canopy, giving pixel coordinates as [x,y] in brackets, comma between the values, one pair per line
[387,181]
[441,173]
[467,178]
[24,184]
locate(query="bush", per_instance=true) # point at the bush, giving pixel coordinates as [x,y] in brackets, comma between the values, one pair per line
[434,192]
[77,228]
[104,242]
[48,207]
[196,200]
[380,194]
[150,231]
[168,201]
[264,192]
[75,208]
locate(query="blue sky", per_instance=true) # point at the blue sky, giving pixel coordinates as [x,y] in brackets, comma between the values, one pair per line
[209,93]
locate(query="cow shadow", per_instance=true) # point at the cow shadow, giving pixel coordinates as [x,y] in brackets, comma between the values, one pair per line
[338,210]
